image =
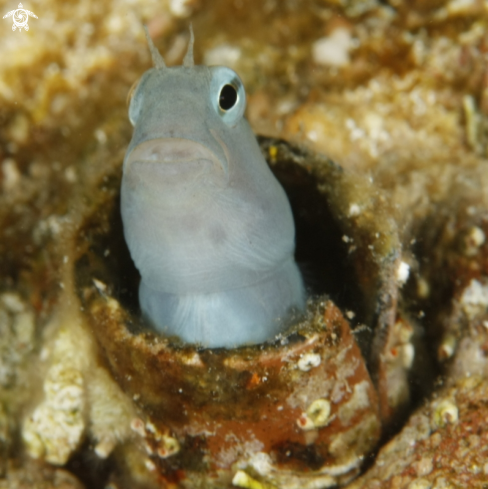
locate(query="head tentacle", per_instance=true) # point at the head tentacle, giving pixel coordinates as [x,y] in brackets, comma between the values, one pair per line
[188,60]
[158,60]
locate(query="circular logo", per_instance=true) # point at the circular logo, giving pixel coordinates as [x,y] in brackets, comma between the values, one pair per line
[20,19]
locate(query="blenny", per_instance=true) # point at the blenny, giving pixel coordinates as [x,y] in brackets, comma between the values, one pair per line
[208,226]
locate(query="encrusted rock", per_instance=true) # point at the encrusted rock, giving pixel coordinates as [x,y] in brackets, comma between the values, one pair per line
[55,428]
[435,448]
[404,105]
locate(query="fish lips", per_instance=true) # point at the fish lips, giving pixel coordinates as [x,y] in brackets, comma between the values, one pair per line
[171,161]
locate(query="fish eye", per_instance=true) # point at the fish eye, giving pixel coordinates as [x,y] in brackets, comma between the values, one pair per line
[227,97]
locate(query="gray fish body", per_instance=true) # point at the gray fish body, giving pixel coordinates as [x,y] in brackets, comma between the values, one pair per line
[207,224]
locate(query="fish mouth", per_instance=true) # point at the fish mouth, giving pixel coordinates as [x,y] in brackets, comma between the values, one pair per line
[170,159]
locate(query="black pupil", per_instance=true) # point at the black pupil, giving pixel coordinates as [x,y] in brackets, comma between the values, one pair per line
[227,97]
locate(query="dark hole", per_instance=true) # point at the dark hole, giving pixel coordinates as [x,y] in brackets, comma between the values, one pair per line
[302,457]
[320,251]
[92,471]
[227,97]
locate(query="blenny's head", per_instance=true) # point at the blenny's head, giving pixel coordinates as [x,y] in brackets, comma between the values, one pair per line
[191,116]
